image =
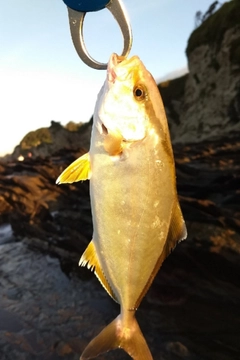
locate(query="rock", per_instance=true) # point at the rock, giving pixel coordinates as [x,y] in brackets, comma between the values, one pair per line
[6,234]
[45,314]
[177,348]
[50,308]
[205,103]
[45,142]
[35,206]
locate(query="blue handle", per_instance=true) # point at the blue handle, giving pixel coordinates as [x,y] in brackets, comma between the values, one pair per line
[86,5]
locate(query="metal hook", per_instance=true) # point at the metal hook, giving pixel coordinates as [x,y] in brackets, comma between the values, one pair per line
[76,19]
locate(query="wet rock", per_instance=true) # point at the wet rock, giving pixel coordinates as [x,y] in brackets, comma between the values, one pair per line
[6,234]
[177,348]
[191,310]
[36,207]
[50,309]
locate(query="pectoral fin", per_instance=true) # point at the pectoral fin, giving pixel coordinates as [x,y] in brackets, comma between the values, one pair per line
[89,258]
[78,170]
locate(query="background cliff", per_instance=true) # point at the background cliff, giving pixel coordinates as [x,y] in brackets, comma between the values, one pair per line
[206,102]
[48,141]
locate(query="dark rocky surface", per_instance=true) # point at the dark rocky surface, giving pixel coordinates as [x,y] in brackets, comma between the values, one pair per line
[50,309]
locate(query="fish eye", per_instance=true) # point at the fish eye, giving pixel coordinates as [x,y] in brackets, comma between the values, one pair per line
[139,92]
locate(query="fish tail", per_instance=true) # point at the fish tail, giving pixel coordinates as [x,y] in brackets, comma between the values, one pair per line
[116,335]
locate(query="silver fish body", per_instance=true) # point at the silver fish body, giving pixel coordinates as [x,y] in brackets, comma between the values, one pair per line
[137,219]
[132,207]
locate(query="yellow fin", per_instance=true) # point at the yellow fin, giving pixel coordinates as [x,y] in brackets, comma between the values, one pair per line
[113,143]
[89,258]
[120,333]
[78,170]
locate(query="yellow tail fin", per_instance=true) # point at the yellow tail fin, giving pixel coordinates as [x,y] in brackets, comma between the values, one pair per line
[116,335]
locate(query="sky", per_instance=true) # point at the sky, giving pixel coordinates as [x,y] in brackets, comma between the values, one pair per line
[43,79]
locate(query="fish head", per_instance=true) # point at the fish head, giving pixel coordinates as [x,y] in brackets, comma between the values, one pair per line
[128,103]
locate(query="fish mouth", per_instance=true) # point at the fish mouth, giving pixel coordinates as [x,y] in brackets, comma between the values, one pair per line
[114,61]
[121,67]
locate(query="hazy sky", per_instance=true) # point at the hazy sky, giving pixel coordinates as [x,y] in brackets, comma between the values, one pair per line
[41,75]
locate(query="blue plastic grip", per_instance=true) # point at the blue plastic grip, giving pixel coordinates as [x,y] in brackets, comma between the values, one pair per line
[86,5]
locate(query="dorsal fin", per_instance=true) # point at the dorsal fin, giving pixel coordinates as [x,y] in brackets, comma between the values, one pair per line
[78,170]
[177,230]
[89,258]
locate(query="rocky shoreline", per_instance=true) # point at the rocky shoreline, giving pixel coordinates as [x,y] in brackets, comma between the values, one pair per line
[50,309]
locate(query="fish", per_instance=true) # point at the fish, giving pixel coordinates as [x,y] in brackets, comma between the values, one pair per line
[137,219]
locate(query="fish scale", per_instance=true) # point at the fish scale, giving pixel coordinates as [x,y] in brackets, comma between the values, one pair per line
[134,219]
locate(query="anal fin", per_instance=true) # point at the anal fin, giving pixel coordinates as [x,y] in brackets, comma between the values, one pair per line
[90,259]
[78,170]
